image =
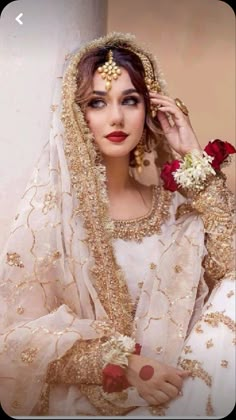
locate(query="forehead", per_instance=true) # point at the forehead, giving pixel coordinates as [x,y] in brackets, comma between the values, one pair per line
[123,82]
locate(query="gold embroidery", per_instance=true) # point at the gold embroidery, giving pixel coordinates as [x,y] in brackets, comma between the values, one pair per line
[196,370]
[49,259]
[187,349]
[224,363]
[148,225]
[158,410]
[20,310]
[50,201]
[153,266]
[178,269]
[88,180]
[82,363]
[230,293]
[214,318]
[28,355]
[43,405]
[14,259]
[209,408]
[199,329]
[215,205]
[95,395]
[209,343]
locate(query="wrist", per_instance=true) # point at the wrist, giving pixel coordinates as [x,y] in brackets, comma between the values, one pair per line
[116,357]
[197,167]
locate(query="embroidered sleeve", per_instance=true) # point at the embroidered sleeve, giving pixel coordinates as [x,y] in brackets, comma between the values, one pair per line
[81,364]
[215,205]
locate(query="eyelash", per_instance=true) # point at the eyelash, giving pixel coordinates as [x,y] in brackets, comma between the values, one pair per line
[93,103]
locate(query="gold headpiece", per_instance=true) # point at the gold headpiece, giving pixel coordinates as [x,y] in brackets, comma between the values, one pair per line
[150,80]
[109,71]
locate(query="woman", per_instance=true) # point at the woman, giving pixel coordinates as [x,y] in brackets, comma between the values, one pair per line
[111,284]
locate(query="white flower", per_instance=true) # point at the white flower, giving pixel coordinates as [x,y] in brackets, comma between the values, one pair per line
[117,350]
[194,170]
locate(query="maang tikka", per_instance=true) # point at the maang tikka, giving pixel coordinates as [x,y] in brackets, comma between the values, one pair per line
[109,70]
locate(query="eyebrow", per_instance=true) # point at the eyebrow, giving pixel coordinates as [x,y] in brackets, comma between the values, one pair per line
[125,92]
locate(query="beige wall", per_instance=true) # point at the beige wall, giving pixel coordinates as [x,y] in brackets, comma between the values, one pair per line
[32,55]
[194,42]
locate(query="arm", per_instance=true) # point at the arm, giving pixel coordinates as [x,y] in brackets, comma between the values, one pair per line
[215,205]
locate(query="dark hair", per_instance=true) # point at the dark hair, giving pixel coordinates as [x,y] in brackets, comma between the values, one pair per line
[127,59]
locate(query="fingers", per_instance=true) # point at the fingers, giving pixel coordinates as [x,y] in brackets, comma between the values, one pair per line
[170,390]
[161,397]
[184,373]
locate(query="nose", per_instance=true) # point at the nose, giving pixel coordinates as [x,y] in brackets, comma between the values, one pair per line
[116,115]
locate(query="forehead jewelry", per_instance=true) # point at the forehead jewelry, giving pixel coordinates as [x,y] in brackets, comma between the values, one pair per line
[109,70]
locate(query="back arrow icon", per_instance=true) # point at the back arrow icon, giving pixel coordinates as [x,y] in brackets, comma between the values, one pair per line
[18,18]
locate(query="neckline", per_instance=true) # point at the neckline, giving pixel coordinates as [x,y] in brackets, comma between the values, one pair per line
[145,216]
[138,228]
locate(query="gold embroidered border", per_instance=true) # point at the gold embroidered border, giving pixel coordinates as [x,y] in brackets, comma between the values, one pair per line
[196,370]
[137,229]
[213,318]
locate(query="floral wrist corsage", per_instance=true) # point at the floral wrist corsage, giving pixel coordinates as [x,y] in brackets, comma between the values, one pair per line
[115,357]
[194,169]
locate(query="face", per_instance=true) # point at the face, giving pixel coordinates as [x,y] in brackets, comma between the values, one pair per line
[115,117]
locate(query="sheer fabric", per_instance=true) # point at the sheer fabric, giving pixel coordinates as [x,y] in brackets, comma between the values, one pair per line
[67,280]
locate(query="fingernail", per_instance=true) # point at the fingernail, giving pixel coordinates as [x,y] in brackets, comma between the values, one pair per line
[181,393]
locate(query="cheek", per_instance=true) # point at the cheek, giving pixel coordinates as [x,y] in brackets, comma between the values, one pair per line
[94,122]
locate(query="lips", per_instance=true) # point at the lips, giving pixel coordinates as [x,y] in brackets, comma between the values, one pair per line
[117,136]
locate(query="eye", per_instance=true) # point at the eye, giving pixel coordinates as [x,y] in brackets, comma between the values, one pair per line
[131,100]
[96,103]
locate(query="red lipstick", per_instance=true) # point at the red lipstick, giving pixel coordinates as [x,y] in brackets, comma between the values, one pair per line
[117,136]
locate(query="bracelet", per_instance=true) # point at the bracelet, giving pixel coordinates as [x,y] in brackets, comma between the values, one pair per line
[193,171]
[115,356]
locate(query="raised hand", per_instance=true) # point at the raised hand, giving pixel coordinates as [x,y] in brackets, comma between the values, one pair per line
[180,134]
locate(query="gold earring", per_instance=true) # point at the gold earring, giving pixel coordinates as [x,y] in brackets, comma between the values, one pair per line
[139,154]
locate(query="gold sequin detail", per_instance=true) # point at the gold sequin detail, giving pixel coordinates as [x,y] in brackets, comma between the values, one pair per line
[224,363]
[43,404]
[50,201]
[199,329]
[148,225]
[178,269]
[214,318]
[187,349]
[216,207]
[209,408]
[20,310]
[82,363]
[230,293]
[157,410]
[153,266]
[14,259]
[196,370]
[28,355]
[209,343]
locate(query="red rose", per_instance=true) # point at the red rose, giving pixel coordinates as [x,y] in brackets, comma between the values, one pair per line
[220,150]
[114,379]
[167,175]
